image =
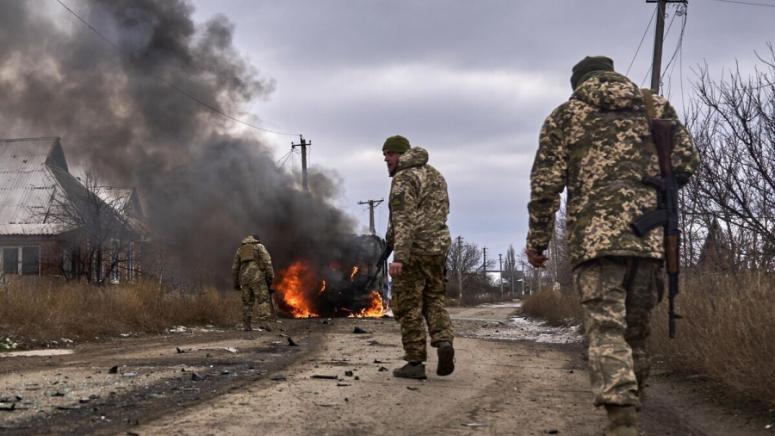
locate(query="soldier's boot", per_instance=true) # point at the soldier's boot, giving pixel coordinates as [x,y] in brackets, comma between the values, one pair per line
[446,356]
[622,420]
[413,370]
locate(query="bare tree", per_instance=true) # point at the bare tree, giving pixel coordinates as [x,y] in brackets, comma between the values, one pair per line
[465,263]
[733,124]
[102,235]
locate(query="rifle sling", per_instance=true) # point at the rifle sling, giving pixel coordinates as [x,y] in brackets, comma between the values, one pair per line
[648,101]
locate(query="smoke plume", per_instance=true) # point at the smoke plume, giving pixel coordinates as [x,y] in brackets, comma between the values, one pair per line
[118,113]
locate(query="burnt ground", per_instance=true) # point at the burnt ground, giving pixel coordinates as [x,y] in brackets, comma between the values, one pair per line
[338,382]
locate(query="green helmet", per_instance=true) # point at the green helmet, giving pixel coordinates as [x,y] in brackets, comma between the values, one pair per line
[397,144]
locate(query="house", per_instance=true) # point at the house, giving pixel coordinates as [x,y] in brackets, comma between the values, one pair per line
[53,224]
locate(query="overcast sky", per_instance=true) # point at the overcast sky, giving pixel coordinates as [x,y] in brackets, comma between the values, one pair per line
[471,81]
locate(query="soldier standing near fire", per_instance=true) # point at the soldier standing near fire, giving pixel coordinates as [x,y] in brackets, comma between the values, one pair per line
[598,145]
[418,232]
[253,275]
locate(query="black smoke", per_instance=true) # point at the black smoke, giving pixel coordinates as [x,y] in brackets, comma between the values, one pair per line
[116,107]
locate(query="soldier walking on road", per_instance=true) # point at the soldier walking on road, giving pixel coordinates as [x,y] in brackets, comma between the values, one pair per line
[598,145]
[418,232]
[253,275]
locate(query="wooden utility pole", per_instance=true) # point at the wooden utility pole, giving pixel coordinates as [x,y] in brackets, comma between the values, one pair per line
[372,204]
[659,34]
[484,262]
[500,262]
[460,269]
[303,144]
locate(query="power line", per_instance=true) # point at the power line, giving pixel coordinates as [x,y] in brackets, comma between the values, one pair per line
[172,85]
[648,26]
[764,5]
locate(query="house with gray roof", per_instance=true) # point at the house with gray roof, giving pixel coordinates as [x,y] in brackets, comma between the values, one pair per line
[54,224]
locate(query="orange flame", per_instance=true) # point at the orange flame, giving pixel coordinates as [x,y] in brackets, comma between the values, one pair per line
[292,289]
[354,272]
[375,309]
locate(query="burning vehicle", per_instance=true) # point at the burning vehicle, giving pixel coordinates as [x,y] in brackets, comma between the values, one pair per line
[352,283]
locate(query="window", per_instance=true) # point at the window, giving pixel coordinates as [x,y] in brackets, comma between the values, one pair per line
[21,260]
[11,260]
[31,261]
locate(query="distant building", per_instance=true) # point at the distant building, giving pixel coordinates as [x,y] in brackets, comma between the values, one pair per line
[53,224]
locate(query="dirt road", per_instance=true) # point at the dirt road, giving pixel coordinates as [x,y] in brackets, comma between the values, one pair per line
[512,377]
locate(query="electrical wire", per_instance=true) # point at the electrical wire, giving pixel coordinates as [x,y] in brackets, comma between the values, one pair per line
[172,85]
[765,5]
[648,26]
[678,49]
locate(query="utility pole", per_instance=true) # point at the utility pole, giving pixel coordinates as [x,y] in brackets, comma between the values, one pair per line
[484,263]
[372,204]
[303,144]
[659,34]
[500,262]
[460,269]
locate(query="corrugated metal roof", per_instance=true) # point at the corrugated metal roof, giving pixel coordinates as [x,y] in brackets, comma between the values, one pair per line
[34,180]
[27,185]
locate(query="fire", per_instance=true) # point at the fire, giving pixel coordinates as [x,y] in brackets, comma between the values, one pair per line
[375,309]
[292,289]
[354,272]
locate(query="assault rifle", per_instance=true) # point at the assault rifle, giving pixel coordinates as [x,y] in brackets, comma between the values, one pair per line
[272,293]
[666,214]
[380,265]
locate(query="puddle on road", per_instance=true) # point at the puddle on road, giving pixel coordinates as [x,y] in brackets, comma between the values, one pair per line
[38,353]
[521,328]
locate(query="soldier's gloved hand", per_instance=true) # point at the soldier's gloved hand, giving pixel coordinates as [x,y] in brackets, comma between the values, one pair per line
[535,257]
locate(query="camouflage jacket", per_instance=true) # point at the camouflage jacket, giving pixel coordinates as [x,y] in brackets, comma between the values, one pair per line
[419,206]
[252,264]
[598,145]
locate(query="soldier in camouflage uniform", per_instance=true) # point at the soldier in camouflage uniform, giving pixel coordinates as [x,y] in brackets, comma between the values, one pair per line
[598,146]
[253,275]
[418,232]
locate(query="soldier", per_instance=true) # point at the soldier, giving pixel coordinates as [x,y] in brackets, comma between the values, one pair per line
[253,274]
[418,232]
[598,145]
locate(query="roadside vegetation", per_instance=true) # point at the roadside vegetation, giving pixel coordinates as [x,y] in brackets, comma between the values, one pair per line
[553,307]
[726,332]
[51,310]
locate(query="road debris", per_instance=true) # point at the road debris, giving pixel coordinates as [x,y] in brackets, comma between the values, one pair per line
[359,331]
[38,353]
[325,377]
[291,342]
[278,377]
[113,370]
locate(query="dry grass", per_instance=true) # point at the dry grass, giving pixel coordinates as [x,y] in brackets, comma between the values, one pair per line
[727,334]
[553,307]
[45,310]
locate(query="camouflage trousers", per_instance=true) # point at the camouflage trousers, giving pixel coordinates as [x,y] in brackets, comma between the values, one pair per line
[618,294]
[419,293]
[252,293]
